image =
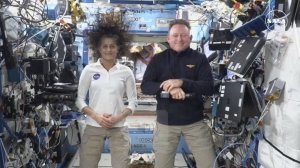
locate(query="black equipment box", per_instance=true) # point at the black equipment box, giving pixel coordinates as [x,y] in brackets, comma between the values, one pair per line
[50,96]
[244,54]
[238,99]
[41,66]
[62,88]
[60,92]
[220,36]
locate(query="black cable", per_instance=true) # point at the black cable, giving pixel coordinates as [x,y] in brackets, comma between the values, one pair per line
[187,159]
[230,24]
[78,133]
[33,8]
[224,140]
[13,88]
[4,3]
[71,136]
[280,151]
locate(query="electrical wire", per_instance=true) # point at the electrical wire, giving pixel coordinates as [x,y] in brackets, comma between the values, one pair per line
[10,93]
[40,150]
[71,135]
[37,9]
[292,159]
[33,164]
[8,129]
[57,142]
[3,158]
[29,80]
[3,147]
[191,2]
[34,36]
[67,7]
[231,145]
[272,11]
[249,152]
[46,134]
[230,18]
[264,112]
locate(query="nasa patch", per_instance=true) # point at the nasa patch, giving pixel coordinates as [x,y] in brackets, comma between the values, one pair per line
[96,76]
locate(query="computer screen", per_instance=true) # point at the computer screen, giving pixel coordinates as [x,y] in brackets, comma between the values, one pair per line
[210,55]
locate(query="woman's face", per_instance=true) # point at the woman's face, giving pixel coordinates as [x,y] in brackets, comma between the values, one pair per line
[108,49]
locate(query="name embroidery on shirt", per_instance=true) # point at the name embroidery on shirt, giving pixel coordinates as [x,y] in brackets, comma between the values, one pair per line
[190,66]
[96,76]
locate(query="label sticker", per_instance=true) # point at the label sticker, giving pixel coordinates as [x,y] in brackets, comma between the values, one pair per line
[96,76]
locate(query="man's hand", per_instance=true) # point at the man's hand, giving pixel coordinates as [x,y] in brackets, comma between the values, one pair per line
[177,93]
[170,84]
[102,120]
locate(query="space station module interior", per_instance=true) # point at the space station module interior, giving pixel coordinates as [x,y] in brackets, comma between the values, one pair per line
[253,47]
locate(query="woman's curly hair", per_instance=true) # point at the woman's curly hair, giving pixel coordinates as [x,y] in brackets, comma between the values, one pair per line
[110,25]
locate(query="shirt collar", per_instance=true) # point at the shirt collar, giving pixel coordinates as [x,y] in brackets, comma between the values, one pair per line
[181,52]
[117,64]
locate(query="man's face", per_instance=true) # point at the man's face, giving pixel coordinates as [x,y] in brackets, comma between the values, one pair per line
[179,37]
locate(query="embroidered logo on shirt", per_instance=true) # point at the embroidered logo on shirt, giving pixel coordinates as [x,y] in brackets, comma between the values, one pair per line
[96,76]
[190,66]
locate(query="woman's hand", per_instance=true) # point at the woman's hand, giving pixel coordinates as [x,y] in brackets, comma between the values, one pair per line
[107,120]
[103,120]
[113,120]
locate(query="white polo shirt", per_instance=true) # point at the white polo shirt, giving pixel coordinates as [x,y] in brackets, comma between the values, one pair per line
[106,90]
